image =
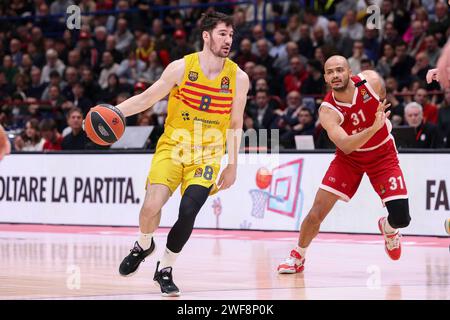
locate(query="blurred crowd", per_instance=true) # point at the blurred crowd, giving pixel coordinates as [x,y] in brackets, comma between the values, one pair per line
[50,76]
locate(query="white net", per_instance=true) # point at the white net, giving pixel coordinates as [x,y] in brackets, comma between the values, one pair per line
[259,199]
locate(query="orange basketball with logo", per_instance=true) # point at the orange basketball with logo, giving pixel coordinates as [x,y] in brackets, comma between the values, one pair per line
[263,178]
[104,124]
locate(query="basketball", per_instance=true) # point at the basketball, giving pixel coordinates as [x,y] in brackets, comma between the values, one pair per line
[263,178]
[104,124]
[447,225]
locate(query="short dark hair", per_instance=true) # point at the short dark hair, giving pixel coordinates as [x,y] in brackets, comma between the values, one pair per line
[210,20]
[47,125]
[74,109]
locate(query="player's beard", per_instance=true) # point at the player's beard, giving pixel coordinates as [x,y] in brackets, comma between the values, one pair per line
[343,86]
[217,51]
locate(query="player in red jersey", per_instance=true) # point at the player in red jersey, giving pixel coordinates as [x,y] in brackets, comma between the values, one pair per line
[354,115]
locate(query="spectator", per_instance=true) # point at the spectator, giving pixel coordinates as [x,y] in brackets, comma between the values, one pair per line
[74,58]
[293,28]
[315,83]
[367,64]
[417,43]
[278,51]
[385,62]
[100,35]
[15,51]
[9,69]
[53,64]
[358,54]
[108,67]
[51,135]
[245,53]
[181,47]
[371,43]
[420,69]
[111,47]
[402,65]
[337,41]
[389,35]
[91,87]
[88,53]
[146,46]
[305,43]
[26,65]
[444,121]
[258,34]
[261,111]
[432,51]
[305,126]
[313,20]
[30,139]
[131,70]
[294,80]
[71,77]
[288,117]
[80,100]
[55,80]
[123,36]
[426,133]
[441,23]
[109,94]
[77,138]
[36,88]
[429,110]
[353,29]
[154,70]
[264,58]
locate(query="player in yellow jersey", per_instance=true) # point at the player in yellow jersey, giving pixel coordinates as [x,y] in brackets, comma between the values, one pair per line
[207,97]
[5,146]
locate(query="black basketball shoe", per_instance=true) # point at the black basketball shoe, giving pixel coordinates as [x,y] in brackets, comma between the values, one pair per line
[131,262]
[165,281]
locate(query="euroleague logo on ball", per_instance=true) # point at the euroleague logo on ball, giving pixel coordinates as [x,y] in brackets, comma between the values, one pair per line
[115,121]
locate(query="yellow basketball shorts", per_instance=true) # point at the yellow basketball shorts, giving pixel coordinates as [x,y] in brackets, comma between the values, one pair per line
[173,165]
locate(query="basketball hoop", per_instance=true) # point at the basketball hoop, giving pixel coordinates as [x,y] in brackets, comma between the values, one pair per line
[259,199]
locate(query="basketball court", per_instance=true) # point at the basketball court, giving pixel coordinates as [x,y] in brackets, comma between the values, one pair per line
[81,262]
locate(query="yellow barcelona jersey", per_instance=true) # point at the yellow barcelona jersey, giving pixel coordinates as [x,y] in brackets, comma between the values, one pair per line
[199,109]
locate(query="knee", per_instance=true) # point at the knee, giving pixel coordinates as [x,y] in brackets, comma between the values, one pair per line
[150,209]
[398,213]
[316,214]
[188,211]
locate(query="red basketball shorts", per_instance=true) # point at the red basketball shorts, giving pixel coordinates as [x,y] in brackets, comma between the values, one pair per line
[381,166]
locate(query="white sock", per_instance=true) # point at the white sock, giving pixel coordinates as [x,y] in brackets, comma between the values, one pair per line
[168,259]
[388,229]
[301,250]
[145,240]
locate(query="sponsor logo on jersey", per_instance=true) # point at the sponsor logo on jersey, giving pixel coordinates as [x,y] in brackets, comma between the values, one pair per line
[206,121]
[198,172]
[185,115]
[225,84]
[193,76]
[366,96]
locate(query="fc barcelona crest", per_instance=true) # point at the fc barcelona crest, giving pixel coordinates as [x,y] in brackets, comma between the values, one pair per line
[225,83]
[193,76]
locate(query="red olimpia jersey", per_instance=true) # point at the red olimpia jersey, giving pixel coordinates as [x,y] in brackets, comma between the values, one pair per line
[360,114]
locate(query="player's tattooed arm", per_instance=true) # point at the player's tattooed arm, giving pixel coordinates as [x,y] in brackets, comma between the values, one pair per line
[330,121]
[172,76]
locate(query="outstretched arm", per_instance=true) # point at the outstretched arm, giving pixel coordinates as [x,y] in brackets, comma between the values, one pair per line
[234,134]
[348,143]
[171,76]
